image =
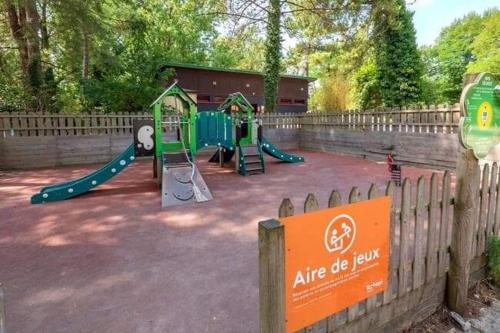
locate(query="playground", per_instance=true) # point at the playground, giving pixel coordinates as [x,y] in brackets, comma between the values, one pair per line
[175,233]
[113,261]
[249,166]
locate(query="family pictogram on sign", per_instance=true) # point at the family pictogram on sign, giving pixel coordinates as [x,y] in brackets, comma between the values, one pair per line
[340,234]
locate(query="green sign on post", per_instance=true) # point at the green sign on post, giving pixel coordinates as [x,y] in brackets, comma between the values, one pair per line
[480,123]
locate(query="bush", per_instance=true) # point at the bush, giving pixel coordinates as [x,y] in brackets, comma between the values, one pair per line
[494,259]
[332,94]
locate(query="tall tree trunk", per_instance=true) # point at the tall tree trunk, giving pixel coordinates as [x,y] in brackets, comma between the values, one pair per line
[17,30]
[33,29]
[85,54]
[43,26]
[273,55]
[35,78]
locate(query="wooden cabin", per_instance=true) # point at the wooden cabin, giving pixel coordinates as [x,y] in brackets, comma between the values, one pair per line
[212,85]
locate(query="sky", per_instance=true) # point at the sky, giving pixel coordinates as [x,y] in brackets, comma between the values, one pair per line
[433,15]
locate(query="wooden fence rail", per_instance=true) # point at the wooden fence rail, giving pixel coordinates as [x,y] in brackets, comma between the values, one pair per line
[430,120]
[421,231]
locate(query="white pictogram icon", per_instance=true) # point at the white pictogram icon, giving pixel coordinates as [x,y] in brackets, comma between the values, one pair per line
[144,137]
[340,234]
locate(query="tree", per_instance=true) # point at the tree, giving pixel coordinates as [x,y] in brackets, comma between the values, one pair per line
[486,46]
[243,48]
[398,63]
[24,23]
[314,23]
[273,55]
[78,55]
[366,86]
[454,53]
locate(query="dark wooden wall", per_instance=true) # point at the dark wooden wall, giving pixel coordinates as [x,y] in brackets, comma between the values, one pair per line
[212,87]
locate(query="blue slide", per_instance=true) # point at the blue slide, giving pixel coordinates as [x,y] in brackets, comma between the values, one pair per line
[72,188]
[270,149]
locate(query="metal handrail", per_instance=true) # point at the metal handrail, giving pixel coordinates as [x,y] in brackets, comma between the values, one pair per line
[174,122]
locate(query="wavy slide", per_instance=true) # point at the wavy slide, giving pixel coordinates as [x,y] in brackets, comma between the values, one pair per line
[84,184]
[275,152]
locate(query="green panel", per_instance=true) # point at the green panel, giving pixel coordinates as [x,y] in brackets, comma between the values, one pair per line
[172,146]
[84,184]
[214,128]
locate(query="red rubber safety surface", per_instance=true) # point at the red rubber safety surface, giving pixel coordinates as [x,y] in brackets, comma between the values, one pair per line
[113,261]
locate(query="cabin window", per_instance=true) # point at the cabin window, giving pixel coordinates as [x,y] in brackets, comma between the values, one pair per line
[300,101]
[218,99]
[285,101]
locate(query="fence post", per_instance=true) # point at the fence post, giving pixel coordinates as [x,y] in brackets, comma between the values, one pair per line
[2,311]
[271,276]
[466,195]
[464,219]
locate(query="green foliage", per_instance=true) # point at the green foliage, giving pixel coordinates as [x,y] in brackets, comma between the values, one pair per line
[332,94]
[494,259]
[367,87]
[469,44]
[109,55]
[273,55]
[242,49]
[431,82]
[454,53]
[12,92]
[34,78]
[398,64]
[486,46]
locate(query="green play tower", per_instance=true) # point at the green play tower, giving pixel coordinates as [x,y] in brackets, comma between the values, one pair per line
[186,120]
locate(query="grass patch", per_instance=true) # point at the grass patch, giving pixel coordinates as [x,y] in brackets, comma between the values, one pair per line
[494,259]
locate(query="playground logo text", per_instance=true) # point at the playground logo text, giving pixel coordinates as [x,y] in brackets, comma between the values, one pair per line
[334,258]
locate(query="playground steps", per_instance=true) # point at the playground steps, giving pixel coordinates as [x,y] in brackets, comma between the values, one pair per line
[251,160]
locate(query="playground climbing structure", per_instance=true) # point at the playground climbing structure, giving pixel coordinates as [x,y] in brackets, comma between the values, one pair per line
[249,142]
[232,129]
[174,160]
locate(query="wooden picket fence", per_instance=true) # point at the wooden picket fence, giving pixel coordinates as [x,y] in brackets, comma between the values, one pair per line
[431,119]
[60,124]
[428,120]
[421,235]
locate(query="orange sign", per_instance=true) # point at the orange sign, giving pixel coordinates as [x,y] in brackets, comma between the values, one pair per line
[334,258]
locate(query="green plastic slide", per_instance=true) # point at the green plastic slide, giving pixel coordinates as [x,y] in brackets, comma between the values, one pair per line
[270,149]
[75,187]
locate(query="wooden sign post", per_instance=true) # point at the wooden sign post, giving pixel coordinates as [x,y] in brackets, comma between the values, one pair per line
[464,215]
[479,132]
